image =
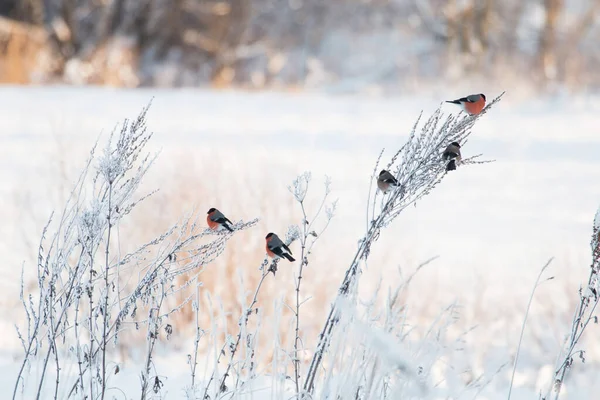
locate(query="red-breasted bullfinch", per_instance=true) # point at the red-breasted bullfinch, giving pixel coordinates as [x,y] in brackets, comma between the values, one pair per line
[276,248]
[452,153]
[472,104]
[216,219]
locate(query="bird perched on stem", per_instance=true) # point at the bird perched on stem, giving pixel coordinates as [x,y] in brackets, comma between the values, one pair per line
[276,248]
[215,220]
[472,104]
[385,180]
[452,153]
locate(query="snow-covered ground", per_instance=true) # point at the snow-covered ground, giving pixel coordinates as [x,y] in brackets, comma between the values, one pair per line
[493,225]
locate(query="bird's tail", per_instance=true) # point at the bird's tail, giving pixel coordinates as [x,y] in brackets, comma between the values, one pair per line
[453,101]
[227,227]
[451,166]
[290,258]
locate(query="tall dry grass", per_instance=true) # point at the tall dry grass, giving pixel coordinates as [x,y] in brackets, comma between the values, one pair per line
[227,283]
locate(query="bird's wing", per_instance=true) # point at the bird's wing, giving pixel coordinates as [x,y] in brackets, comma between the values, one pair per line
[273,244]
[219,217]
[450,152]
[392,180]
[388,178]
[277,250]
[216,216]
[286,248]
[472,98]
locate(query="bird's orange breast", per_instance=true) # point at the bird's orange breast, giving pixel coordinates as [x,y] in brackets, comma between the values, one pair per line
[211,224]
[475,108]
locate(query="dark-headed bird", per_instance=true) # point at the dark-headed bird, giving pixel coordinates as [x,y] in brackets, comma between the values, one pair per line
[472,104]
[216,220]
[276,248]
[452,154]
[385,180]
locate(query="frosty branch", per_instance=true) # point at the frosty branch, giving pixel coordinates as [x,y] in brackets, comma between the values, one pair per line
[308,238]
[265,269]
[67,270]
[419,168]
[584,314]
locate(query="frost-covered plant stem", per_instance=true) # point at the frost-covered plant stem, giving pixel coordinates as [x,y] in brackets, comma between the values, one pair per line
[105,312]
[50,349]
[303,262]
[149,279]
[55,322]
[308,238]
[66,271]
[537,283]
[52,334]
[151,337]
[52,346]
[194,359]
[331,319]
[78,340]
[419,167]
[32,318]
[91,353]
[584,314]
[242,326]
[297,315]
[212,376]
[349,280]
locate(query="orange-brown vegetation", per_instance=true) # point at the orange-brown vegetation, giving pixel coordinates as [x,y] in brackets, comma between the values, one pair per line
[23,51]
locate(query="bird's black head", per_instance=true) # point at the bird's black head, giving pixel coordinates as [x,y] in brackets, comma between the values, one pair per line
[482,95]
[455,144]
[269,235]
[211,210]
[383,171]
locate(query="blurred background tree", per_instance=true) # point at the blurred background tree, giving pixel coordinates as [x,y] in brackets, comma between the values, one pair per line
[295,43]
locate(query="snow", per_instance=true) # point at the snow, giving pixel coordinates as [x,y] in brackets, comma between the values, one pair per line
[493,225]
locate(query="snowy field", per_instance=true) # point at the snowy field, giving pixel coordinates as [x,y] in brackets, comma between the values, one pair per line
[493,226]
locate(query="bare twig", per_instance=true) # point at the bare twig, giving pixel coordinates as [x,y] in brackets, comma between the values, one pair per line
[308,237]
[242,324]
[154,324]
[105,312]
[193,360]
[537,283]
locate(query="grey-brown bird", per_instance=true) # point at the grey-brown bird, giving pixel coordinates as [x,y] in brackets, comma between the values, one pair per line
[276,248]
[452,154]
[385,180]
[215,220]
